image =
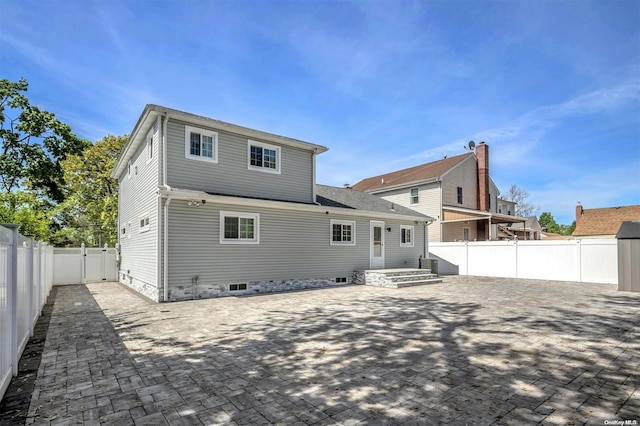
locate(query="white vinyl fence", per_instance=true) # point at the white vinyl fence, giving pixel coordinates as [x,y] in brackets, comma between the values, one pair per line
[81,265]
[26,277]
[594,261]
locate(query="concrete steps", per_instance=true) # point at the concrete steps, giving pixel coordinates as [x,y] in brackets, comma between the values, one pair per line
[396,278]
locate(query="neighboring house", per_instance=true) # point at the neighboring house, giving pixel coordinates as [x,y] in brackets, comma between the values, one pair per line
[603,222]
[457,191]
[506,207]
[208,208]
[529,230]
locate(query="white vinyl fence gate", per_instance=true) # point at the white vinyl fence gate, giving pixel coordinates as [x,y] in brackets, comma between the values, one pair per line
[81,265]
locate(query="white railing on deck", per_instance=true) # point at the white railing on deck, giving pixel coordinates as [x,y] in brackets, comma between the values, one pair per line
[26,278]
[593,261]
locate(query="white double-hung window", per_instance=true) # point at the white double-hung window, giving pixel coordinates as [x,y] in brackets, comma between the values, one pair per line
[239,228]
[406,236]
[263,157]
[343,232]
[201,144]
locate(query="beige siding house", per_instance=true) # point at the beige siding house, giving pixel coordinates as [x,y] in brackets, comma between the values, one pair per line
[457,191]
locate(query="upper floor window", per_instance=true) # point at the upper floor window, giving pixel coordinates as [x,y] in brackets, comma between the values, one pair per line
[264,157]
[406,236]
[415,199]
[201,144]
[144,222]
[239,228]
[343,232]
[150,137]
[459,195]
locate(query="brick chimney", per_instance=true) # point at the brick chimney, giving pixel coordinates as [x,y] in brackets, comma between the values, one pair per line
[482,153]
[578,211]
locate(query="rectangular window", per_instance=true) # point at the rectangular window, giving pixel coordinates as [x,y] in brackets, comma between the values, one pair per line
[150,137]
[341,280]
[144,222]
[343,232]
[459,195]
[239,228]
[465,234]
[406,236]
[237,287]
[415,199]
[201,144]
[264,157]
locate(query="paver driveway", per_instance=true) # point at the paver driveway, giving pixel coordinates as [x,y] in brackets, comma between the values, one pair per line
[466,351]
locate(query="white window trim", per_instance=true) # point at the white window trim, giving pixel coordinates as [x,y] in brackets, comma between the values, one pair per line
[411,196]
[256,227]
[412,229]
[128,230]
[352,223]
[263,145]
[146,227]
[150,144]
[187,144]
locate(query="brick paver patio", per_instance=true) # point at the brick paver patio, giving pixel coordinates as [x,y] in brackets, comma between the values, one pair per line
[467,351]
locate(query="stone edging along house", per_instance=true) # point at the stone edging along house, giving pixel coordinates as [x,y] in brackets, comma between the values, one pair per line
[208,208]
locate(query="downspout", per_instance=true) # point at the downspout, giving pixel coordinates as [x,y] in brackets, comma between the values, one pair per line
[165,263]
[313,172]
[165,218]
[158,207]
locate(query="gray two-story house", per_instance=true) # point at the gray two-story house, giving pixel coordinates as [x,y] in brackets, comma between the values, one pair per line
[208,208]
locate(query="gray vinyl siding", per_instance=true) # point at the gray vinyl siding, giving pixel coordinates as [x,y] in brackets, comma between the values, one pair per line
[138,195]
[464,175]
[429,204]
[231,176]
[293,245]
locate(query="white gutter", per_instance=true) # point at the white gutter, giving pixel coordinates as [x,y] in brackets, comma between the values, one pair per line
[187,195]
[404,185]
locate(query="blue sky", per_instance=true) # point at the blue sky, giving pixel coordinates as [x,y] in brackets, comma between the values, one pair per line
[552,86]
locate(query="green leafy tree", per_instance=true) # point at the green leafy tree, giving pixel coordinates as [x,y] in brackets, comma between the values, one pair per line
[547,221]
[90,210]
[29,211]
[33,142]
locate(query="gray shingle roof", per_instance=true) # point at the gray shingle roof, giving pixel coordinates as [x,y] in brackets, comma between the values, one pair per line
[331,196]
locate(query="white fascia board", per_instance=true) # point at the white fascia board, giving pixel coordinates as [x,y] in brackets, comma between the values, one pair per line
[183,194]
[404,185]
[240,130]
[146,120]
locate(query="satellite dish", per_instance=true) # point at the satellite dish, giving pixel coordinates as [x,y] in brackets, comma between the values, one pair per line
[472,145]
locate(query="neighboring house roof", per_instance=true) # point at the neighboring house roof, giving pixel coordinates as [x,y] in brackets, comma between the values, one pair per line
[604,221]
[551,236]
[347,198]
[531,224]
[416,174]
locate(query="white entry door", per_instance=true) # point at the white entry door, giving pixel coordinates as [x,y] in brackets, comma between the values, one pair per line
[377,244]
